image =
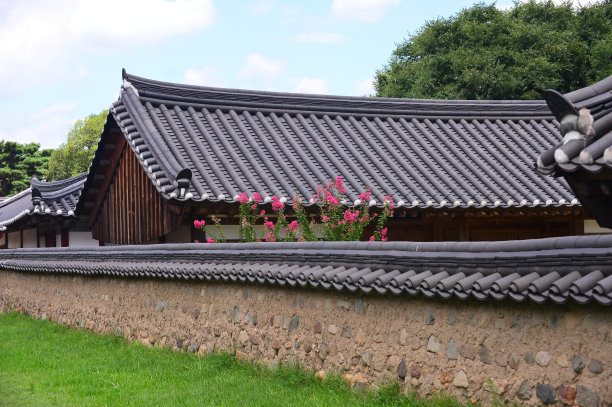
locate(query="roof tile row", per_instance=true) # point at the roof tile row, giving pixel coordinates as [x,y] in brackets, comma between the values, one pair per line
[199,143]
[555,269]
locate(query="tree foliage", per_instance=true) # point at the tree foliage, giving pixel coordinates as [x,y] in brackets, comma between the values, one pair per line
[18,163]
[487,53]
[74,156]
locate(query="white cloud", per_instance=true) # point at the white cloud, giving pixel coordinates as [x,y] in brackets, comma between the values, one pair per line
[48,126]
[54,109]
[364,87]
[38,38]
[205,76]
[365,11]
[260,6]
[259,66]
[312,85]
[292,10]
[321,38]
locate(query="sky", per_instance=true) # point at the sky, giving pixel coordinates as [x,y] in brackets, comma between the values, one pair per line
[61,60]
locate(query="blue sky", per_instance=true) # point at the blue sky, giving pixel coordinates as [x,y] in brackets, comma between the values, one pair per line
[61,60]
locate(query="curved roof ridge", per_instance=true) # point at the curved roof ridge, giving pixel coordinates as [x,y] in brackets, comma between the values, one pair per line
[53,186]
[596,89]
[159,91]
[70,180]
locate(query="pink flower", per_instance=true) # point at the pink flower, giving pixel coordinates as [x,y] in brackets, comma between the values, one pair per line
[243,198]
[383,232]
[350,217]
[262,213]
[371,238]
[340,185]
[254,206]
[269,225]
[209,240]
[384,239]
[256,197]
[330,199]
[270,237]
[293,225]
[388,200]
[325,218]
[277,205]
[365,195]
[199,224]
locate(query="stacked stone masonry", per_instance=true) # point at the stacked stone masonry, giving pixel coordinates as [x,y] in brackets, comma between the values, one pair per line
[529,354]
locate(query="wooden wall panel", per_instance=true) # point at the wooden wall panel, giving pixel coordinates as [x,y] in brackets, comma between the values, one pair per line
[132,211]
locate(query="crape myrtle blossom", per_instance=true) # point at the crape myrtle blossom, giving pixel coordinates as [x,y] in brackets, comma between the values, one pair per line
[337,221]
[277,205]
[242,198]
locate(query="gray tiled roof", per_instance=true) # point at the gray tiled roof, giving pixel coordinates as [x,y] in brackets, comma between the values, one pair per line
[56,198]
[591,152]
[577,268]
[424,153]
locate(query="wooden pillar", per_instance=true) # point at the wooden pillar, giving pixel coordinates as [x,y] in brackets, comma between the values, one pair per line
[65,237]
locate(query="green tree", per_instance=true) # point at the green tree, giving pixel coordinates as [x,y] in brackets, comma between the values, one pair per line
[487,53]
[74,156]
[18,162]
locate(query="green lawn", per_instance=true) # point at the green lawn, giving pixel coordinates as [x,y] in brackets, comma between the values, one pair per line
[42,363]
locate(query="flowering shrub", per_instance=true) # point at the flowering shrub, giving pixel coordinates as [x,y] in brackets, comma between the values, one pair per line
[338,222]
[201,225]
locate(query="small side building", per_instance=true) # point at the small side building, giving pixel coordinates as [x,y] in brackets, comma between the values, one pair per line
[43,216]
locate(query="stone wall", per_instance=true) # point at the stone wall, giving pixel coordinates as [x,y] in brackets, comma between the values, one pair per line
[529,353]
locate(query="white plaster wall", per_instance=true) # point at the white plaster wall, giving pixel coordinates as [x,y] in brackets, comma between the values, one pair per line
[80,239]
[230,231]
[14,240]
[29,238]
[591,227]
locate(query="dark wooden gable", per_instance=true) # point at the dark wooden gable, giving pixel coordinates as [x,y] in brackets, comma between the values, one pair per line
[129,210]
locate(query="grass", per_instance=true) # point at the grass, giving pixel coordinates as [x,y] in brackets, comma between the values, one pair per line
[45,364]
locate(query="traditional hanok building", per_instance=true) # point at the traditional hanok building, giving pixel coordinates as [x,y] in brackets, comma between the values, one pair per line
[584,157]
[43,216]
[457,170]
